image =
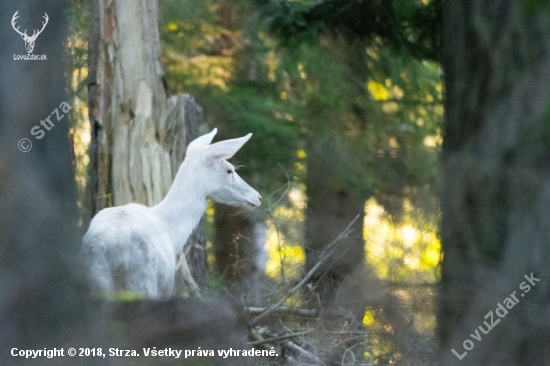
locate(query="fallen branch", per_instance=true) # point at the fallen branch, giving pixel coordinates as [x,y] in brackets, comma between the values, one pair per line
[306,313]
[294,347]
[258,339]
[327,254]
[278,339]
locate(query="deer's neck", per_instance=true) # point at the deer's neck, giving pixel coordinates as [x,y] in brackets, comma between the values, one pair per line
[183,206]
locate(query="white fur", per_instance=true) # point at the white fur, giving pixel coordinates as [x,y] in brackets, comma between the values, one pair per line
[134,247]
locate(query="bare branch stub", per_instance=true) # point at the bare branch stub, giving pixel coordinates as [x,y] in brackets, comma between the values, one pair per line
[326,255]
[287,310]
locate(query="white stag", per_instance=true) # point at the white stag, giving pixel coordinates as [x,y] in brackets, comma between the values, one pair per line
[29,40]
[134,247]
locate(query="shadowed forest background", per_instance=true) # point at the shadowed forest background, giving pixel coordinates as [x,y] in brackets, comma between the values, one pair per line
[401,149]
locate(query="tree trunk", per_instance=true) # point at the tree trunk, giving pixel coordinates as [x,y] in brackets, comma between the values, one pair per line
[240,236]
[495,224]
[139,136]
[337,287]
[42,303]
[330,209]
[239,249]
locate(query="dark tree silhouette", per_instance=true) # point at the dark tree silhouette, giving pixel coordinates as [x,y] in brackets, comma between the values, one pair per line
[41,302]
[495,198]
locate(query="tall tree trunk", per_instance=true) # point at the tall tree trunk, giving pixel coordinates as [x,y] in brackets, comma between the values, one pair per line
[240,236]
[238,249]
[495,225]
[139,136]
[42,304]
[337,287]
[330,209]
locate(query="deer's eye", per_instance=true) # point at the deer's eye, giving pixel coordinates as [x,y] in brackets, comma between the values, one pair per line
[229,171]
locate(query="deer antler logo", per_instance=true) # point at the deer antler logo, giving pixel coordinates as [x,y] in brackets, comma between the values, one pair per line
[29,40]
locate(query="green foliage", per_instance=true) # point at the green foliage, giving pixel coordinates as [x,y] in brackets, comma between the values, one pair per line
[205,55]
[213,283]
[275,141]
[411,26]
[324,83]
[534,6]
[369,108]
[122,296]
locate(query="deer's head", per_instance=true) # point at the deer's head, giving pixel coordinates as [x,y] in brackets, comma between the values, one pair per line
[216,175]
[29,40]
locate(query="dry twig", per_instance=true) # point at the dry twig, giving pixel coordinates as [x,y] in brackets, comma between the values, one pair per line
[278,339]
[327,254]
[306,354]
[306,313]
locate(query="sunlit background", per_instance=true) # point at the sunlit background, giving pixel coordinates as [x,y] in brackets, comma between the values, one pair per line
[381,111]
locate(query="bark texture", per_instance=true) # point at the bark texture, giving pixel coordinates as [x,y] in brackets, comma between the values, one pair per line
[330,209]
[496,193]
[139,136]
[239,251]
[42,304]
[338,285]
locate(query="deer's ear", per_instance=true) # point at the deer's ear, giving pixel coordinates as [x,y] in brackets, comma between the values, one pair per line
[204,139]
[225,149]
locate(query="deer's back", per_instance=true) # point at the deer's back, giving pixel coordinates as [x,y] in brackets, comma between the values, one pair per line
[127,248]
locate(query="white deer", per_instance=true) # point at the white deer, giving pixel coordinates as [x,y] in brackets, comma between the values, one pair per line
[134,247]
[29,40]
